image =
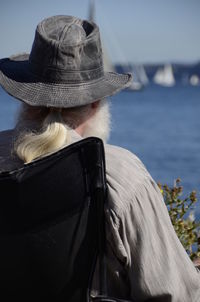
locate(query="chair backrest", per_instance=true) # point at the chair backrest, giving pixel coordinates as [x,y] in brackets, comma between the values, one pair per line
[48,224]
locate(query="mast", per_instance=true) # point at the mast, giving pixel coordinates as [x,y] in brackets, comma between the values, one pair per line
[91,16]
[108,66]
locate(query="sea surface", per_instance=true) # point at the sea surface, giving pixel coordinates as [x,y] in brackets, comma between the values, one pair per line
[160,125]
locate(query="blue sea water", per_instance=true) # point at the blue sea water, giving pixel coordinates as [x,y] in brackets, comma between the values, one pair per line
[160,125]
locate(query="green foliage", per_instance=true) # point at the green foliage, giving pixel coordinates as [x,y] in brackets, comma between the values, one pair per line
[181,213]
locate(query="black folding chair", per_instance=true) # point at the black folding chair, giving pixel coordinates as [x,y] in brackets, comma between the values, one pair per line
[49,213]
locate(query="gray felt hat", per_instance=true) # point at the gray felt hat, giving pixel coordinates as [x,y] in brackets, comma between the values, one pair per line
[64,68]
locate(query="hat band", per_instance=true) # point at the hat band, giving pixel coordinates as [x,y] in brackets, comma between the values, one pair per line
[55,75]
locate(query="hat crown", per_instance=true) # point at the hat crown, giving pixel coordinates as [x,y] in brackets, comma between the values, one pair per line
[67,49]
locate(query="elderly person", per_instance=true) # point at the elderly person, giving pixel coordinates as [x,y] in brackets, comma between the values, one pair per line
[63,88]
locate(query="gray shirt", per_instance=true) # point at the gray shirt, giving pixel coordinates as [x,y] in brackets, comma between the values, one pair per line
[145,257]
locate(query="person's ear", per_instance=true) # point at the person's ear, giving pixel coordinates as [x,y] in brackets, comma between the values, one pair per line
[95,104]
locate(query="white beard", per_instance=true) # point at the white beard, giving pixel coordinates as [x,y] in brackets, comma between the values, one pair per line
[99,124]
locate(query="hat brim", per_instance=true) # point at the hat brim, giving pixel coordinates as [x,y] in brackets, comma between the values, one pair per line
[21,83]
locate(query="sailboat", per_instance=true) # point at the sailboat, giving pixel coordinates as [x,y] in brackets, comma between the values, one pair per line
[108,65]
[194,80]
[164,76]
[140,75]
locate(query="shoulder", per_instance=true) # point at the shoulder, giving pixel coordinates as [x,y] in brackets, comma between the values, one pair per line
[123,161]
[123,165]
[127,177]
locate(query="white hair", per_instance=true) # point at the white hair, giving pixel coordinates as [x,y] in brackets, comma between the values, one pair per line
[99,125]
[41,131]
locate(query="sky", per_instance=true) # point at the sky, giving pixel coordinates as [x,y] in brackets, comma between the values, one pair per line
[146,31]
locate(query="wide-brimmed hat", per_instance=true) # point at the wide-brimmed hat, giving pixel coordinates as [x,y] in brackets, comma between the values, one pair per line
[64,68]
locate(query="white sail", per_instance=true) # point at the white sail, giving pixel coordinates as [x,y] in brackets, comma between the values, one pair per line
[164,76]
[136,83]
[142,75]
